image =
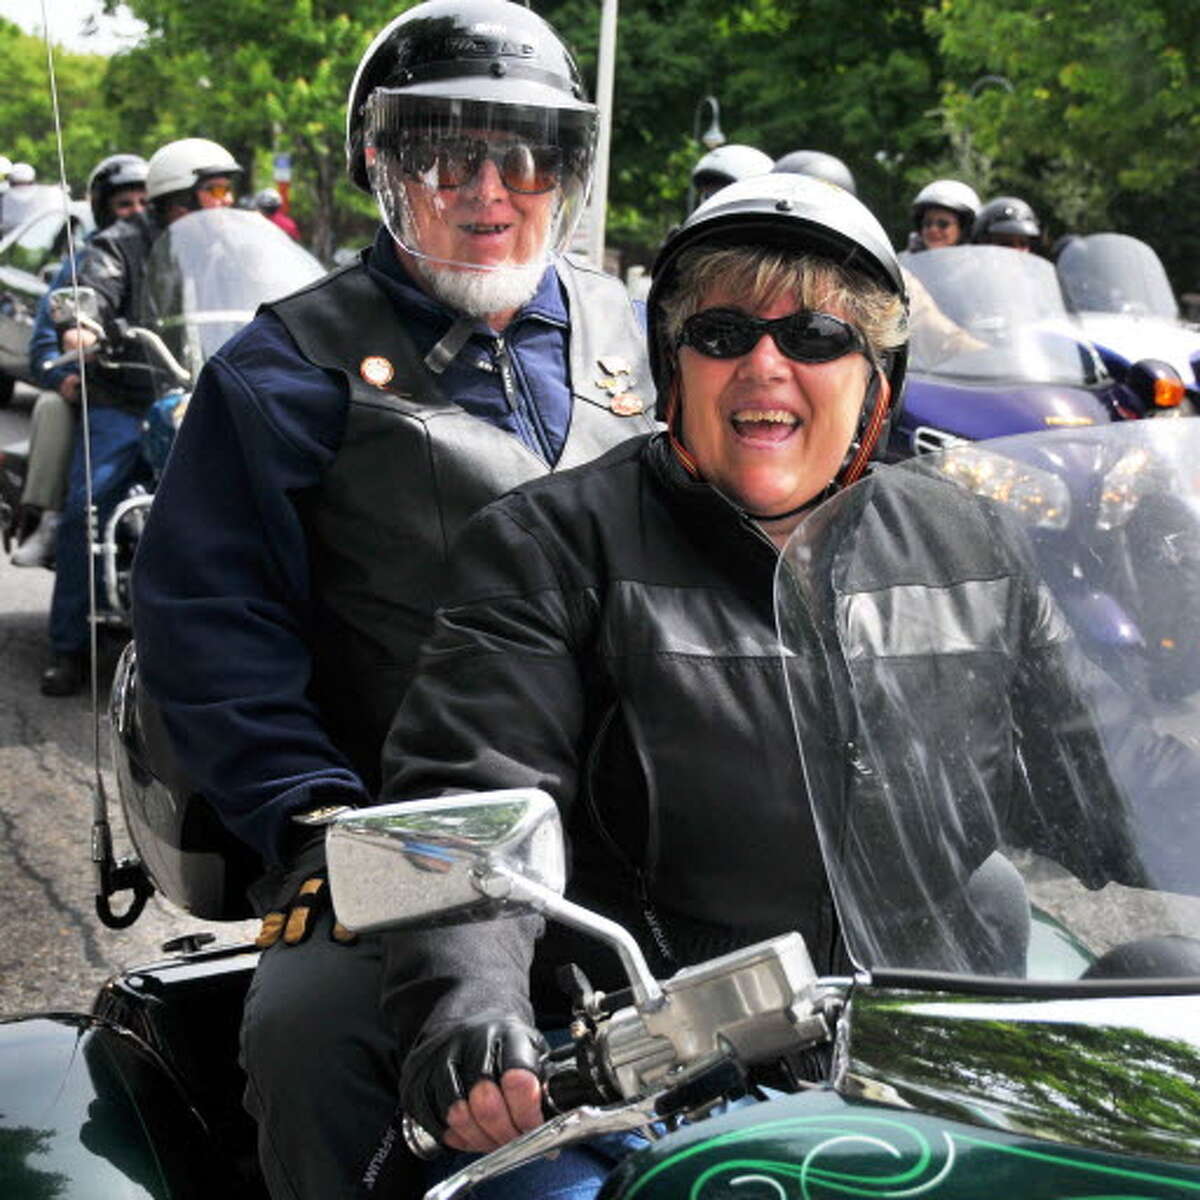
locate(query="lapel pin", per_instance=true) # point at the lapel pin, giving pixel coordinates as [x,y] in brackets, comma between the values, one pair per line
[376,370]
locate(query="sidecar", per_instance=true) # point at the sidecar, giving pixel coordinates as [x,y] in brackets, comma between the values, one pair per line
[138,1098]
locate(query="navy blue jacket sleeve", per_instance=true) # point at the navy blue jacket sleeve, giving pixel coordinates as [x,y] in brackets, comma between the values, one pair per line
[43,344]
[223,613]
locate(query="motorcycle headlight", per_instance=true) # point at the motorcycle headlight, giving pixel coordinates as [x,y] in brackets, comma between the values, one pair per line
[1123,487]
[1038,497]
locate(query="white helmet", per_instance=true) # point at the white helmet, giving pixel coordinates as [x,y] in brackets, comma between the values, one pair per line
[731,163]
[180,166]
[725,165]
[952,194]
[22,172]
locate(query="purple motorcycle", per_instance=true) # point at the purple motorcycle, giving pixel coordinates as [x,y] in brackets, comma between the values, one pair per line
[995,352]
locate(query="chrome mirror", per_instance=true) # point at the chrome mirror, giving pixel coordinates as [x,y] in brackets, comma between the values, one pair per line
[464,858]
[68,305]
[434,861]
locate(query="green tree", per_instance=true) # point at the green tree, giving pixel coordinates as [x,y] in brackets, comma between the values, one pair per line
[856,81]
[27,113]
[259,76]
[19,1180]
[1086,107]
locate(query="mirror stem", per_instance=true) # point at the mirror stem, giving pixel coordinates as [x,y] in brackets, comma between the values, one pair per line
[500,884]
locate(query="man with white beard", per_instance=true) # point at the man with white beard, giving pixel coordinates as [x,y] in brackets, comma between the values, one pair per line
[296,548]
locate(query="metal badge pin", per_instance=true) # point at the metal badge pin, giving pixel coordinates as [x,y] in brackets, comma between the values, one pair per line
[376,370]
[611,364]
[627,404]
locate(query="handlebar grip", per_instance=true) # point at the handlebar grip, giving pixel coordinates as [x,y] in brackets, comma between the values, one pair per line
[566,1085]
[68,358]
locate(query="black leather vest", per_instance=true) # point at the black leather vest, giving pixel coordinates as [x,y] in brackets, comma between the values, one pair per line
[413,466]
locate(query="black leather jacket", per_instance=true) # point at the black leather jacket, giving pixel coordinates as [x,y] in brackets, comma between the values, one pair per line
[610,637]
[115,266]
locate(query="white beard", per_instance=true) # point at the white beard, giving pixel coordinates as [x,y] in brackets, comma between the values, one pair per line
[482,293]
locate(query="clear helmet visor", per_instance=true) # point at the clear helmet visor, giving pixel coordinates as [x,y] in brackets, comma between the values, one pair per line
[478,185]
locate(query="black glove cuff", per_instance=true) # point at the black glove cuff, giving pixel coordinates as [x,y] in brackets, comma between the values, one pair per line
[443,1068]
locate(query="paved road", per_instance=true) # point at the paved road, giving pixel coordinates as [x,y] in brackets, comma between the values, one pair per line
[54,952]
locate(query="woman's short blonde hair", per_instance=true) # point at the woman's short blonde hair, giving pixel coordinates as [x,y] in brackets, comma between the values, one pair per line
[755,276]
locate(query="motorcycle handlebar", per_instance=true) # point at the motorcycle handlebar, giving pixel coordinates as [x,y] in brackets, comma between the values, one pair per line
[68,358]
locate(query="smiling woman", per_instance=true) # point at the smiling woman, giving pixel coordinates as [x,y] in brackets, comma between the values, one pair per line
[609,635]
[782,362]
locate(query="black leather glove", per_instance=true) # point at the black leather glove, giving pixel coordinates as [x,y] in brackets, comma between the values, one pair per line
[445,1067]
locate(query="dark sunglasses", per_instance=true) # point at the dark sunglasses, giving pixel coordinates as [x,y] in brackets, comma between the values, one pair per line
[808,337]
[523,166]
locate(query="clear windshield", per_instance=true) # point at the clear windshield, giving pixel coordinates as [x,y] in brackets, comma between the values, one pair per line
[209,271]
[18,204]
[988,313]
[1114,273]
[993,663]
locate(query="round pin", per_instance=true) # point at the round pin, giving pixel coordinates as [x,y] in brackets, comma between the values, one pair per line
[376,370]
[627,404]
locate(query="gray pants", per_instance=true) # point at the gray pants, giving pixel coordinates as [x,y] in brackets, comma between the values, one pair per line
[321,1066]
[51,439]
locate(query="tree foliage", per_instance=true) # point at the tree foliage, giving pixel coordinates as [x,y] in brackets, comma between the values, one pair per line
[27,114]
[1086,107]
[259,77]
[1089,108]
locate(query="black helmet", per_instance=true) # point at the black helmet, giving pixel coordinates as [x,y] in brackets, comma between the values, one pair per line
[439,81]
[796,213]
[819,165]
[109,175]
[1009,215]
[485,50]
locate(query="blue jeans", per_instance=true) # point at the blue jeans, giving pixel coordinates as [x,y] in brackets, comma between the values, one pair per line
[576,1174]
[116,449]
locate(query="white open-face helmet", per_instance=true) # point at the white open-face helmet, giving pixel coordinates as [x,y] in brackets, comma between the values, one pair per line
[180,166]
[954,196]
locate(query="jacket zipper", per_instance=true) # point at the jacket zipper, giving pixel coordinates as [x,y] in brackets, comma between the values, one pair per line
[527,421]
